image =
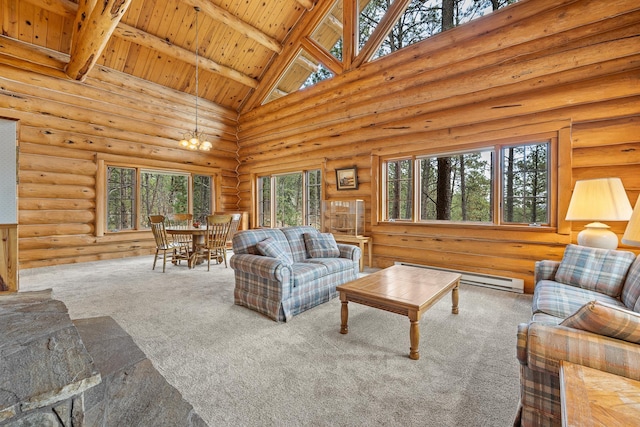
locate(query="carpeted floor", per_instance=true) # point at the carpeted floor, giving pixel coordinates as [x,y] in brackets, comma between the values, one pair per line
[239,368]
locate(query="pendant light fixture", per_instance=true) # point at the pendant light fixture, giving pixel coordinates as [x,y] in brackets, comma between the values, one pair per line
[195,140]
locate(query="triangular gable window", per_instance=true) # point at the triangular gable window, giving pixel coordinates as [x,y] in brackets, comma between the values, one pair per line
[384,26]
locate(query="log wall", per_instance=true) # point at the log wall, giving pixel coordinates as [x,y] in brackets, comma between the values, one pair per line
[66,127]
[566,67]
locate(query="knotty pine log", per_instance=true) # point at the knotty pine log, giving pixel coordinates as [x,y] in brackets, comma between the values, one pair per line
[29,190]
[619,154]
[9,281]
[147,40]
[40,162]
[93,33]
[86,258]
[56,241]
[40,177]
[44,230]
[596,134]
[54,204]
[98,249]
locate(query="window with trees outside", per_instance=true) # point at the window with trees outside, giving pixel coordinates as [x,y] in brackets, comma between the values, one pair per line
[134,193]
[290,199]
[507,184]
[417,21]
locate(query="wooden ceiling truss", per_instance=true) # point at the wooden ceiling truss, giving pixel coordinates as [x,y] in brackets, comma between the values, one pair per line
[244,51]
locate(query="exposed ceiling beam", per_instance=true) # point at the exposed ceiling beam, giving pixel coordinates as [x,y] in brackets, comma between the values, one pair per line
[147,40]
[322,55]
[221,15]
[69,10]
[307,4]
[94,26]
[64,8]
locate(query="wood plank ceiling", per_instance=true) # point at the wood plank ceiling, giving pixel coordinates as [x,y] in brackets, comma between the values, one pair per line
[155,40]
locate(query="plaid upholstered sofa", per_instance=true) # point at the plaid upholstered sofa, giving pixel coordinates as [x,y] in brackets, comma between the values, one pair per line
[586,310]
[283,272]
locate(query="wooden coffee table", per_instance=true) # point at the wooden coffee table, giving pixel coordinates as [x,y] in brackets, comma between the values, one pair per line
[590,397]
[401,289]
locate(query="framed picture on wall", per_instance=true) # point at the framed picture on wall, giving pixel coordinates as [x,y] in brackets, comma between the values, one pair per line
[347,178]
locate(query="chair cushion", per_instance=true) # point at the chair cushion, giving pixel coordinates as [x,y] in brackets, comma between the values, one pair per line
[601,270]
[321,245]
[608,320]
[271,248]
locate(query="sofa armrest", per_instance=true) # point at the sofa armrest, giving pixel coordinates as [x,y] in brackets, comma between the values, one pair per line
[546,345]
[351,252]
[262,266]
[545,270]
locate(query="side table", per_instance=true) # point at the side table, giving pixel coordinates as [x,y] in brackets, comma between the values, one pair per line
[361,241]
[590,397]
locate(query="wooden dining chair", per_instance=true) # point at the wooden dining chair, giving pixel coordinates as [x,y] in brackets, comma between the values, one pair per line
[181,220]
[177,251]
[215,239]
[235,224]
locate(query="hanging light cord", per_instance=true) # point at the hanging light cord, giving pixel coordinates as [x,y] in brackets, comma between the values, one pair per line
[195,140]
[197,10]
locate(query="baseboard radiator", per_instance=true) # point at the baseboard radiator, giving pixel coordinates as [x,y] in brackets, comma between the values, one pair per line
[477,279]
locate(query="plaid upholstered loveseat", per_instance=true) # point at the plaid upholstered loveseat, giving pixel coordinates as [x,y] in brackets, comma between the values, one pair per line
[283,272]
[586,310]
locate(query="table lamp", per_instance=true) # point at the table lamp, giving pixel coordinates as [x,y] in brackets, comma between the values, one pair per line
[602,199]
[631,235]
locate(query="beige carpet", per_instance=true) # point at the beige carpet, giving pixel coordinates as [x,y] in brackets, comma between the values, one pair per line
[238,368]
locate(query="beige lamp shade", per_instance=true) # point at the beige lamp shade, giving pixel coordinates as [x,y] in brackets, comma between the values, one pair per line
[603,199]
[632,233]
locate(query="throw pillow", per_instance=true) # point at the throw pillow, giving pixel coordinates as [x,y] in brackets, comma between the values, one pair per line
[271,248]
[600,270]
[606,319]
[321,245]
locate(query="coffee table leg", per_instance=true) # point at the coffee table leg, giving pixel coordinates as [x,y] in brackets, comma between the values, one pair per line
[454,299]
[344,317]
[414,335]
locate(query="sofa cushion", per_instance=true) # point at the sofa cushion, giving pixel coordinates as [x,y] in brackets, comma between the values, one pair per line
[608,320]
[333,265]
[244,242]
[271,248]
[601,270]
[321,245]
[295,238]
[306,274]
[560,300]
[631,289]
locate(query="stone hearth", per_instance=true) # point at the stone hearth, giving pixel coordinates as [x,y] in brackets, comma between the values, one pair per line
[89,372]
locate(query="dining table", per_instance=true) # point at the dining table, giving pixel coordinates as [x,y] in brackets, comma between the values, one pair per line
[197,239]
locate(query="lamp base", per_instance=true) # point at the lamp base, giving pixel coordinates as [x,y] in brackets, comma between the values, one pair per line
[598,235]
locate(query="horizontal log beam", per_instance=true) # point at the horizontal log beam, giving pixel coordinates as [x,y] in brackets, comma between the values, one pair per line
[223,16]
[166,48]
[69,10]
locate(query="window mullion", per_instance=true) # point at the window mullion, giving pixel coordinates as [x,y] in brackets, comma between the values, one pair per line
[136,198]
[416,190]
